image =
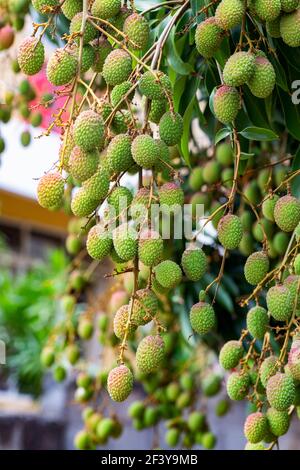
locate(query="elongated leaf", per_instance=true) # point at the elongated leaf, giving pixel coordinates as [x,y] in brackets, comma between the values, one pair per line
[187,119]
[296,180]
[291,114]
[174,59]
[245,156]
[259,133]
[222,134]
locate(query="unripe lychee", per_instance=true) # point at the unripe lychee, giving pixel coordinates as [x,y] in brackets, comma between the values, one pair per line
[119,92]
[280,302]
[287,213]
[194,263]
[61,67]
[278,421]
[87,58]
[202,318]
[89,32]
[231,354]
[238,384]
[71,7]
[172,437]
[239,69]
[145,151]
[106,9]
[268,207]
[137,30]
[47,356]
[256,427]
[157,110]
[230,231]
[145,306]
[224,154]
[273,28]
[292,282]
[119,200]
[281,391]
[208,37]
[290,28]
[31,55]
[258,446]
[257,322]
[82,164]
[119,153]
[196,421]
[83,440]
[268,368]
[99,242]
[262,82]
[120,383]
[117,67]
[150,354]
[42,5]
[226,104]
[171,128]
[212,172]
[50,191]
[82,204]
[168,274]
[125,241]
[85,328]
[150,247]
[121,321]
[155,85]
[294,360]
[140,203]
[289,5]
[230,13]
[171,196]
[196,180]
[102,49]
[267,10]
[88,130]
[256,267]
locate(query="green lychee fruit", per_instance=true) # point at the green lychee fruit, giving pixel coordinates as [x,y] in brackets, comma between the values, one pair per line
[31,55]
[119,153]
[61,67]
[256,267]
[289,5]
[208,37]
[82,440]
[196,421]
[73,244]
[258,446]
[145,307]
[273,28]
[230,13]
[82,205]
[168,274]
[222,408]
[96,187]
[89,32]
[106,9]
[82,164]
[287,213]
[88,130]
[196,180]
[263,80]
[171,128]
[155,85]
[119,92]
[202,318]
[99,242]
[47,356]
[171,197]
[290,27]
[136,410]
[102,48]
[120,199]
[268,207]
[150,248]
[87,59]
[226,104]
[125,241]
[256,427]
[164,159]
[145,151]
[208,440]
[172,437]
[71,7]
[50,191]
[231,354]
[292,282]
[268,368]
[211,385]
[157,110]
[117,67]
[120,383]
[238,384]
[280,302]
[85,328]
[194,263]
[230,231]
[267,10]
[278,421]
[281,391]
[150,354]
[137,30]
[121,322]
[239,69]
[257,322]
[140,203]
[42,6]
[294,360]
[224,154]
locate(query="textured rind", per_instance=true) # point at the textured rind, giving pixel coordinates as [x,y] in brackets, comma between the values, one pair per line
[120,383]
[256,427]
[226,104]
[230,13]
[150,248]
[281,391]
[125,242]
[99,242]
[120,199]
[120,322]
[61,67]
[238,384]
[88,57]
[88,130]
[106,9]
[290,28]
[208,37]
[280,302]
[31,56]
[102,49]
[89,31]
[50,191]
[278,421]
[273,28]
[212,172]
[157,110]
[155,88]
[168,274]
[150,354]
[230,231]
[292,282]
[137,29]
[258,446]
[297,264]
[289,5]
[82,204]
[256,267]
[239,69]
[294,360]
[202,318]
[170,194]
[82,165]
[268,368]
[231,354]
[287,213]
[263,80]
[119,91]
[145,151]
[267,10]
[268,207]
[117,67]
[71,7]
[119,153]
[194,263]
[97,186]
[145,307]
[257,322]
[40,5]
[139,204]
[171,128]
[164,156]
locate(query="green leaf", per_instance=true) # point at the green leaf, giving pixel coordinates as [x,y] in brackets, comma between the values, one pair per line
[222,134]
[245,156]
[178,91]
[259,133]
[211,100]
[280,74]
[196,6]
[187,118]
[174,59]
[291,114]
[296,181]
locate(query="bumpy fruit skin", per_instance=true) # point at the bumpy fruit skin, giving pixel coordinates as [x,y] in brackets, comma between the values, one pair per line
[278,421]
[256,427]
[97,186]
[297,264]
[202,318]
[267,10]
[41,5]
[88,130]
[82,440]
[231,354]
[82,164]
[230,13]
[194,263]
[120,200]
[172,437]
[89,31]
[119,153]
[196,180]
[257,322]
[155,85]
[61,67]
[125,241]
[139,204]
[120,383]
[117,67]
[273,28]
[106,9]
[239,69]
[208,37]
[226,104]
[120,322]
[157,110]
[290,28]
[171,196]
[212,172]
[281,391]
[88,57]
[268,207]
[168,274]
[150,354]
[137,29]
[287,213]
[230,231]
[267,369]
[99,242]
[145,151]
[102,49]
[280,302]
[256,267]
[47,357]
[31,55]
[262,82]
[119,91]
[294,360]
[71,7]
[238,384]
[82,204]
[151,247]
[145,307]
[171,128]
[50,191]
[258,446]
[291,283]
[289,5]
